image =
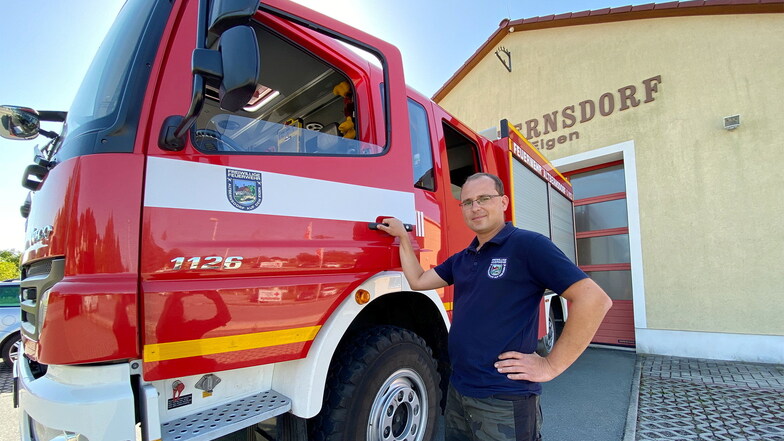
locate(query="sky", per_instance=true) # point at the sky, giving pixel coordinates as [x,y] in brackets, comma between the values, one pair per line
[48,45]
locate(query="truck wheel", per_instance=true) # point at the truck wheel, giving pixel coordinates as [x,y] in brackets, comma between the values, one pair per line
[10,350]
[382,387]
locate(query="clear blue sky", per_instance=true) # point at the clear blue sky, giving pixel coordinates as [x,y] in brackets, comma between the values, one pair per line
[47,46]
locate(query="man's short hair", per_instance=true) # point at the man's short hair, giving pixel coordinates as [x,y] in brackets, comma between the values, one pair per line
[499,186]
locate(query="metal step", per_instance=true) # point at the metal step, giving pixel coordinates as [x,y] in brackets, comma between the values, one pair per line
[228,418]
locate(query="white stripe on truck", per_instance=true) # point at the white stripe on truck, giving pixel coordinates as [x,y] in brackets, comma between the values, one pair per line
[186,185]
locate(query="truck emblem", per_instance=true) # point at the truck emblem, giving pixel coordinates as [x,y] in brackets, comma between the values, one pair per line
[243,188]
[39,234]
[497,268]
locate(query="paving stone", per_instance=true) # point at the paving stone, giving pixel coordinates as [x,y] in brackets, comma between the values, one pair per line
[685,399]
[6,379]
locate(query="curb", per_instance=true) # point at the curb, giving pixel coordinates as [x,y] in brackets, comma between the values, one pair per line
[630,431]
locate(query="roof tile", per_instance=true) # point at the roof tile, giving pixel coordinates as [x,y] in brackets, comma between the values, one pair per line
[690,4]
[600,11]
[668,5]
[581,14]
[645,7]
[620,9]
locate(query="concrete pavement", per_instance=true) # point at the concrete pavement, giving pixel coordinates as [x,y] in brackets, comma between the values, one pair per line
[590,401]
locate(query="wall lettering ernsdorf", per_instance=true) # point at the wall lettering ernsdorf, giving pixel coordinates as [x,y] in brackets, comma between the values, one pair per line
[625,98]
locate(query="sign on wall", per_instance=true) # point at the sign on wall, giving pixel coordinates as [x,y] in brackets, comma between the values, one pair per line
[625,98]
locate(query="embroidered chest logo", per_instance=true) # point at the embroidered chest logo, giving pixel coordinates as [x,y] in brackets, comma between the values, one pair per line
[243,188]
[497,268]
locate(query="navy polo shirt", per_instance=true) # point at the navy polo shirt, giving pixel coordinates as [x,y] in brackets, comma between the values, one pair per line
[496,306]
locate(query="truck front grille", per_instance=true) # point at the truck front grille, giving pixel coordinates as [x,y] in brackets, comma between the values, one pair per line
[40,268]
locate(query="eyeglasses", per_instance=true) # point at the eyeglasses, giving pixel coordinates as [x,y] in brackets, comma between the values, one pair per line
[481,200]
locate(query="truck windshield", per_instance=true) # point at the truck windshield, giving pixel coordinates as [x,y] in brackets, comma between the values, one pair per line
[114,83]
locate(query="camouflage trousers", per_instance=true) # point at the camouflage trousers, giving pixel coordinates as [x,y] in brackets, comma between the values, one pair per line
[493,418]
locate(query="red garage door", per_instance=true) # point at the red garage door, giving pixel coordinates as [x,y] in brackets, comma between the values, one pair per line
[602,229]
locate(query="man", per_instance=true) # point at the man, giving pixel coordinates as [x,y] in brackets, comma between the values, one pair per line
[499,281]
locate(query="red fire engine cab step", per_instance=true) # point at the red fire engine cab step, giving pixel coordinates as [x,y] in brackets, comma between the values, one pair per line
[228,418]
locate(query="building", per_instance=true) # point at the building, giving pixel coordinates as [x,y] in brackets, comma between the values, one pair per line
[666,118]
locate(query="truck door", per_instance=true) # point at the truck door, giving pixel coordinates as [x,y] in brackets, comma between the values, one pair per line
[462,158]
[258,228]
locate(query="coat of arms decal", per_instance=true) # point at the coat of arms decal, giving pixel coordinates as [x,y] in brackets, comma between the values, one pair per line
[243,188]
[497,268]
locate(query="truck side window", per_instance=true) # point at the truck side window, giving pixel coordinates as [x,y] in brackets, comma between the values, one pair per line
[302,106]
[463,158]
[422,152]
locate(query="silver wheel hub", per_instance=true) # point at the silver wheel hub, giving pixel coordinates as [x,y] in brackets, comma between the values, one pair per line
[13,354]
[549,339]
[399,410]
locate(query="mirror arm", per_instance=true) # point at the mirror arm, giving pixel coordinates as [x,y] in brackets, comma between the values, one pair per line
[172,136]
[173,132]
[206,65]
[48,134]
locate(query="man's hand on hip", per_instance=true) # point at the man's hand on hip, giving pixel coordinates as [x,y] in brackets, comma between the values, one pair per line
[531,367]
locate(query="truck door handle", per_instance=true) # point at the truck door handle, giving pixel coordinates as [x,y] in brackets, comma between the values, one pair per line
[374,226]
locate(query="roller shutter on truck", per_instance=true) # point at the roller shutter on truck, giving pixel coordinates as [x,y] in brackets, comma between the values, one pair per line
[541,197]
[530,200]
[562,223]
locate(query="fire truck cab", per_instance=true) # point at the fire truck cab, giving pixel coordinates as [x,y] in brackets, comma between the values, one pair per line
[201,253]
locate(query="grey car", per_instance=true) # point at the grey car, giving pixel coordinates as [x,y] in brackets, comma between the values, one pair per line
[10,316]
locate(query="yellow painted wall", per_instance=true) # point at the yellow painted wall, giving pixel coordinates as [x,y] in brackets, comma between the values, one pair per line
[711,203]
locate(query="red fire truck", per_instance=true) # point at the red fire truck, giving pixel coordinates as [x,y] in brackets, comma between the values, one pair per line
[200,250]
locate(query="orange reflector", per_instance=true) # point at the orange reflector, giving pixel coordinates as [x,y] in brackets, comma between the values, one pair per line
[362,296]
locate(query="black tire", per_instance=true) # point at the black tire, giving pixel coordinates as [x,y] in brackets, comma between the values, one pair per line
[384,382]
[546,343]
[11,350]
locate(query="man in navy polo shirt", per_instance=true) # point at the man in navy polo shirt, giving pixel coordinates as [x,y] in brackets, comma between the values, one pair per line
[499,281]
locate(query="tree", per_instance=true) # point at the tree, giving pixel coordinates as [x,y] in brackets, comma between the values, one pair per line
[9,264]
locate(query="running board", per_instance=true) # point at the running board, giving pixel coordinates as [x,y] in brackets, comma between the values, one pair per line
[228,418]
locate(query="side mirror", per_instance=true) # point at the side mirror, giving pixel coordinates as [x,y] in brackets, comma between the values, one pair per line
[234,67]
[226,14]
[239,50]
[19,122]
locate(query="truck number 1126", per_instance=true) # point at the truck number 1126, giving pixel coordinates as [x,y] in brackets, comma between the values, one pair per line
[207,263]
